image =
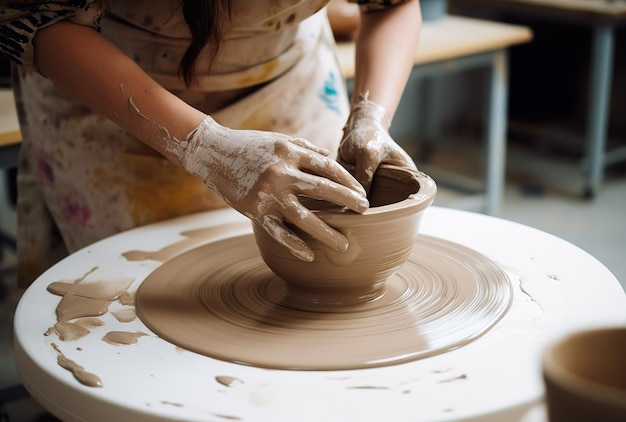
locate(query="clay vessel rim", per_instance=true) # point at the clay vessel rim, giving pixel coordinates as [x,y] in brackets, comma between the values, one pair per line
[415,202]
[568,380]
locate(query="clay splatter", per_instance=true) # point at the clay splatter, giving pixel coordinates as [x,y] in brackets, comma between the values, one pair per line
[84,377]
[228,381]
[192,238]
[119,338]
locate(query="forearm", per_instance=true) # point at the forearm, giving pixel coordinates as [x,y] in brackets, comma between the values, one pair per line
[385,50]
[87,66]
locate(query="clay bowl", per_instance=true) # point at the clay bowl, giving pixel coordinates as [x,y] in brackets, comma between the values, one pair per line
[584,375]
[380,239]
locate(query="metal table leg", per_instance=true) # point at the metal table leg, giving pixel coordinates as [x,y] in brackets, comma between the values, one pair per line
[495,151]
[599,95]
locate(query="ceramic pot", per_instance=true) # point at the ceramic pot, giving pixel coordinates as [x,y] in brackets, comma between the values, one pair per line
[585,376]
[380,239]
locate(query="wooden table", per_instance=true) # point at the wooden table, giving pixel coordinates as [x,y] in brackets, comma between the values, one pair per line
[10,140]
[454,44]
[10,136]
[594,10]
[603,16]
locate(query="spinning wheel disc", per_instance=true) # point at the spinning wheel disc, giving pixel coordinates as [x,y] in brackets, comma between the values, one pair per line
[221,300]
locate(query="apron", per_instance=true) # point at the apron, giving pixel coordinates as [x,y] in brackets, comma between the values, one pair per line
[81,178]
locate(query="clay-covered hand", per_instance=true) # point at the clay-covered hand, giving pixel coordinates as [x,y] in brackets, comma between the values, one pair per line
[366,142]
[261,175]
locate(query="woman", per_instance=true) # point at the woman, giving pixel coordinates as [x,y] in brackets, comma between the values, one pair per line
[130,109]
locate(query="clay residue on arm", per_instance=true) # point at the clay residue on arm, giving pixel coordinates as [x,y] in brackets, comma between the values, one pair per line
[112,84]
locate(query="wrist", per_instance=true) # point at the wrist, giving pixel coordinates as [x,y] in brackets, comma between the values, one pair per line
[369,110]
[195,149]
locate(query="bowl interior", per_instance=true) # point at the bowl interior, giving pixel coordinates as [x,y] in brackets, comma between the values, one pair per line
[391,186]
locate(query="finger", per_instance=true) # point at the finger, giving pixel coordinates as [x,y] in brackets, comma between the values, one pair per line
[300,216]
[332,170]
[366,164]
[399,157]
[276,228]
[304,143]
[322,188]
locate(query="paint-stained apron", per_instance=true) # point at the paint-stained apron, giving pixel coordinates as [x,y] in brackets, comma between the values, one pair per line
[81,178]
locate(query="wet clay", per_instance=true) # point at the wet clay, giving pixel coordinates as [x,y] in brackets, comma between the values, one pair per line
[227,380]
[380,242]
[125,315]
[84,377]
[118,338]
[70,331]
[228,305]
[81,302]
[83,298]
[191,239]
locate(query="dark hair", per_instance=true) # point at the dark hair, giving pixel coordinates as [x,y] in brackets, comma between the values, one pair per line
[207,21]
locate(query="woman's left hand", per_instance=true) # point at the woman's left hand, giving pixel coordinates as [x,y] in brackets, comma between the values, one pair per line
[366,142]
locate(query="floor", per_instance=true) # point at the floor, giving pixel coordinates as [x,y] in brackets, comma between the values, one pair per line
[550,204]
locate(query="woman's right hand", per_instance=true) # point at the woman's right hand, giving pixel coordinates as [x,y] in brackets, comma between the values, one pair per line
[261,175]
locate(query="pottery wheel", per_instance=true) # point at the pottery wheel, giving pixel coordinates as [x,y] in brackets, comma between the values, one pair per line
[221,300]
[471,350]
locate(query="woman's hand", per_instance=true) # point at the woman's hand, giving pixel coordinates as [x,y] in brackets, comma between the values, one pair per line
[261,174]
[366,142]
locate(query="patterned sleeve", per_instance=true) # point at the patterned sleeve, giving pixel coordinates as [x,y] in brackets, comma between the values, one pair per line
[20,20]
[371,5]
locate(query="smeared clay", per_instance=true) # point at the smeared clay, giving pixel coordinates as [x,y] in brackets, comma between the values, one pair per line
[83,298]
[171,144]
[169,403]
[228,381]
[127,298]
[191,238]
[241,163]
[72,306]
[228,417]
[527,293]
[82,301]
[84,377]
[89,322]
[125,315]
[62,287]
[119,338]
[68,331]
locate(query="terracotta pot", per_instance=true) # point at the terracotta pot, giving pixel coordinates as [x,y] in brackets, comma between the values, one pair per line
[380,239]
